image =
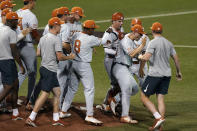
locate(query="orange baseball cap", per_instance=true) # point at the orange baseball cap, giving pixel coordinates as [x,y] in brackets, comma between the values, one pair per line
[65,9]
[90,24]
[6,4]
[136,21]
[55,21]
[117,16]
[156,27]
[54,13]
[138,28]
[4,0]
[5,11]
[12,16]
[62,11]
[78,10]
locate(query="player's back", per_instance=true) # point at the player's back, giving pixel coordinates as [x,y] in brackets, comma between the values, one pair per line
[83,46]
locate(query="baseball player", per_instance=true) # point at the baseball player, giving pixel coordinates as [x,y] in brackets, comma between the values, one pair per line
[50,49]
[8,67]
[121,71]
[27,51]
[157,82]
[113,35]
[76,14]
[81,69]
[19,36]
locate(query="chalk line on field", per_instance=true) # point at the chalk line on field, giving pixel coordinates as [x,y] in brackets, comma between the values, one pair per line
[185,46]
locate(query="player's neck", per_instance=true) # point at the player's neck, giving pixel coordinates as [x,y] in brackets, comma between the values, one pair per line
[54,32]
[156,35]
[27,7]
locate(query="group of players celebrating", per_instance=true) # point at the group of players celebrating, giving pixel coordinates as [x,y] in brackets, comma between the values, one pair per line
[66,48]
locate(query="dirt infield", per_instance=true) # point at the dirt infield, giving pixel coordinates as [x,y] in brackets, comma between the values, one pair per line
[74,123]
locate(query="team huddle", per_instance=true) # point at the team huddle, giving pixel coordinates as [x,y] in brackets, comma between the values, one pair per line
[66,47]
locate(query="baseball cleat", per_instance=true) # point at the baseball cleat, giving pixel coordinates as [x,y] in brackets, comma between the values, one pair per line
[113,106]
[93,121]
[29,122]
[15,118]
[58,123]
[127,119]
[157,124]
[64,115]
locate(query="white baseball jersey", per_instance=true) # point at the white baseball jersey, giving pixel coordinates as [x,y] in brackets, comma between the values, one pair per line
[65,33]
[139,42]
[29,20]
[7,37]
[75,27]
[49,44]
[113,38]
[83,46]
[124,50]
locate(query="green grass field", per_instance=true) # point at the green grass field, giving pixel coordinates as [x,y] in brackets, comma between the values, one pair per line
[181,102]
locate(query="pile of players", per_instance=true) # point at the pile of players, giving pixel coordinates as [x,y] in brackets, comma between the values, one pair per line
[66,48]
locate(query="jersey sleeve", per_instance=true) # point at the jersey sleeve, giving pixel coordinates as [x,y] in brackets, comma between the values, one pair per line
[33,22]
[95,41]
[151,47]
[13,37]
[172,50]
[111,37]
[58,45]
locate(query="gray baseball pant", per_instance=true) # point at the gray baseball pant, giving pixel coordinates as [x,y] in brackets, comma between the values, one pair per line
[127,84]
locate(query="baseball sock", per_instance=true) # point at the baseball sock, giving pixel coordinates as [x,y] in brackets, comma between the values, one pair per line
[55,116]
[156,115]
[33,115]
[15,112]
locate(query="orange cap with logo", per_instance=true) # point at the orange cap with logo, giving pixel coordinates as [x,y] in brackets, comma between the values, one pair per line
[117,16]
[62,11]
[78,10]
[5,11]
[90,24]
[6,4]
[4,0]
[54,13]
[156,27]
[138,28]
[12,16]
[136,21]
[55,21]
[65,10]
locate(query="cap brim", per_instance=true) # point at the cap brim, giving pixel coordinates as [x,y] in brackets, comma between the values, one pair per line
[62,22]
[13,5]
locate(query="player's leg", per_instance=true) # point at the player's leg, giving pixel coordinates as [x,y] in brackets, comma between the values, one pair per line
[71,90]
[161,92]
[29,57]
[62,75]
[127,85]
[150,87]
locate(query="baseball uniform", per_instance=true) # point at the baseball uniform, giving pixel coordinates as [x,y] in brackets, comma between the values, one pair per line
[122,73]
[82,71]
[27,51]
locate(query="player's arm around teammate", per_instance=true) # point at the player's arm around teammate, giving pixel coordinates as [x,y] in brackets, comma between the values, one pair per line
[51,51]
[157,82]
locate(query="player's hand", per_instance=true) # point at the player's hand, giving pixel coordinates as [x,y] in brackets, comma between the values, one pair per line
[72,56]
[22,69]
[26,31]
[140,57]
[141,73]
[178,76]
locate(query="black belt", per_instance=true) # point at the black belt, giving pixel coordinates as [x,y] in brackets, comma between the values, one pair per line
[136,62]
[110,56]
